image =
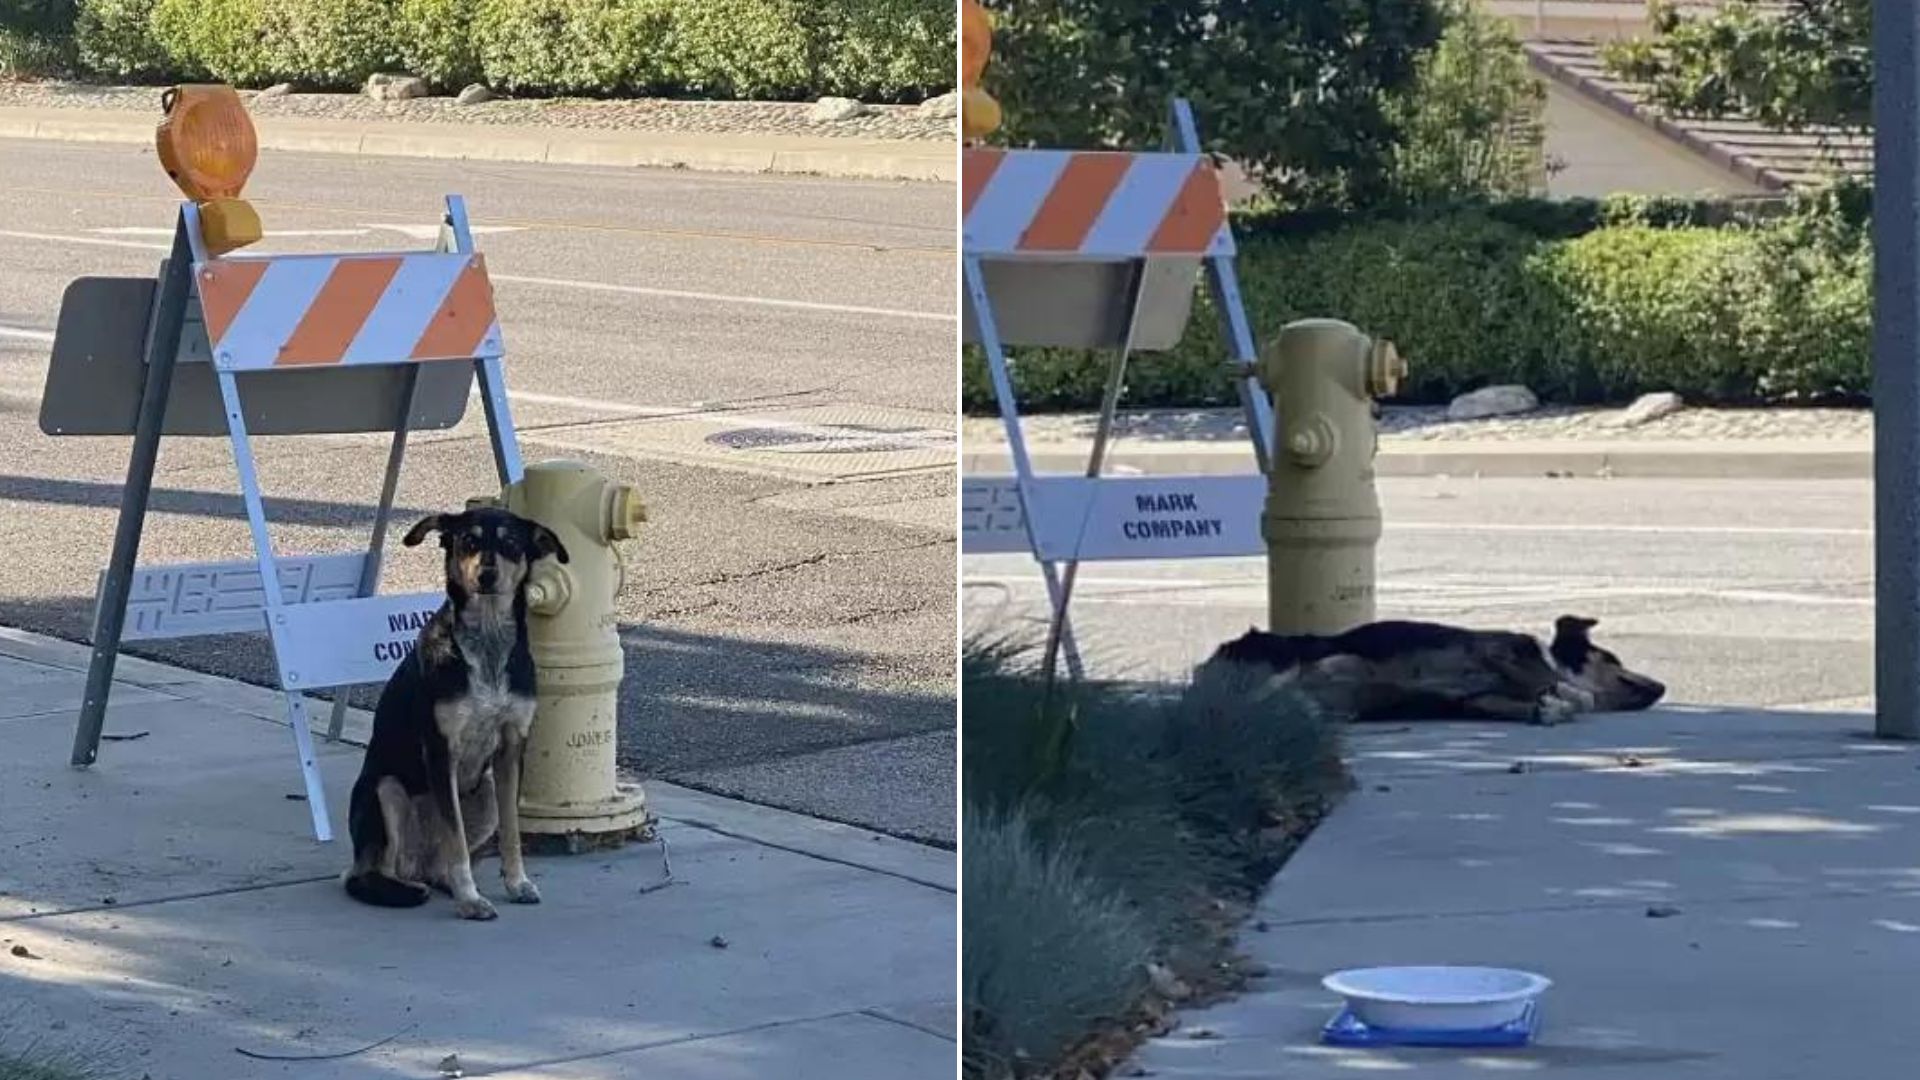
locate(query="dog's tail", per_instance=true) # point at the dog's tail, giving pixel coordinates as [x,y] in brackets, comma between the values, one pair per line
[376,888]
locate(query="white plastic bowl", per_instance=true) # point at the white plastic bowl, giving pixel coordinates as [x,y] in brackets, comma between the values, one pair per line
[1437,998]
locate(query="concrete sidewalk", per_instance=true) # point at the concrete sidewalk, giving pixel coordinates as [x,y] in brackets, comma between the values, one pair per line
[888,159]
[168,909]
[1717,896]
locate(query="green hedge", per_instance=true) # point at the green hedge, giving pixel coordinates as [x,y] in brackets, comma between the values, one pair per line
[877,50]
[1758,310]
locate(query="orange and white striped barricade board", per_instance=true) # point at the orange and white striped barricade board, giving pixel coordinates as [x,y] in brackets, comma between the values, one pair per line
[1100,249]
[243,345]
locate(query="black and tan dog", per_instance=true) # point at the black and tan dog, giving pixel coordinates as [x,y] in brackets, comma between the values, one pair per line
[1417,670]
[442,771]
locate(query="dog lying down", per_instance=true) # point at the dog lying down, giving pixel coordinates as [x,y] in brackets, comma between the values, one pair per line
[1427,671]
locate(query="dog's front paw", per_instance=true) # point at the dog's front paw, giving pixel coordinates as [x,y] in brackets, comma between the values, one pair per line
[1551,710]
[522,892]
[478,908]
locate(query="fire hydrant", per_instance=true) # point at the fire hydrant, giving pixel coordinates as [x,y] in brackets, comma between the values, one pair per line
[1322,518]
[571,798]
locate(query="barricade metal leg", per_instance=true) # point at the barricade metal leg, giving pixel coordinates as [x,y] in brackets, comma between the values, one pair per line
[376,547]
[272,599]
[163,347]
[493,398]
[1097,457]
[1223,283]
[1017,447]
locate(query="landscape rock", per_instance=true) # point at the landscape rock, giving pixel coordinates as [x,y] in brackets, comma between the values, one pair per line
[832,110]
[944,107]
[474,95]
[1647,408]
[388,87]
[1492,401]
[276,90]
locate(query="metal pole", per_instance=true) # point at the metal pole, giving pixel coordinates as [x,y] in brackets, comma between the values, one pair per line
[273,599]
[976,283]
[1097,459]
[163,347]
[1896,371]
[1223,282]
[382,515]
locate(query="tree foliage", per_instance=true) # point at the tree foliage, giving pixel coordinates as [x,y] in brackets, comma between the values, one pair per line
[1804,63]
[1472,124]
[1298,92]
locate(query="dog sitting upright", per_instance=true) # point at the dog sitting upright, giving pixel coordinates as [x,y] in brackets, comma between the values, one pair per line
[442,770]
[1416,670]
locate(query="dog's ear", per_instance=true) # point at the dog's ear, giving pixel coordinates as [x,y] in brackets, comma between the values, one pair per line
[545,543]
[1573,626]
[432,523]
[1570,642]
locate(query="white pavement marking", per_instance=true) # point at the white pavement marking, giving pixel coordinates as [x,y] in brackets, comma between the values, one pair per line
[25,334]
[417,232]
[93,241]
[150,230]
[1655,530]
[723,298]
[432,232]
[569,283]
[1153,592]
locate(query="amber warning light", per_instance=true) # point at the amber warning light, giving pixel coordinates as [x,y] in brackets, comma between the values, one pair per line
[207,146]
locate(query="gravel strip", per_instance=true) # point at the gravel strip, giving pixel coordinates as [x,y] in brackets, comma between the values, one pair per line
[1400,425]
[631,114]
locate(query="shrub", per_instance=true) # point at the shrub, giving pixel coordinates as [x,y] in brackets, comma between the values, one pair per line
[573,46]
[213,38]
[1104,826]
[1046,951]
[36,37]
[115,37]
[435,39]
[1771,305]
[888,50]
[328,43]
[877,49]
[747,48]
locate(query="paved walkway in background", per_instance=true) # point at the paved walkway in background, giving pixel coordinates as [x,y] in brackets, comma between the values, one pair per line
[1717,895]
[1780,444]
[169,908]
[757,152]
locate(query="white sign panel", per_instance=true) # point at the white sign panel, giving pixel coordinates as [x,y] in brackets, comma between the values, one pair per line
[1121,517]
[349,642]
[191,599]
[990,519]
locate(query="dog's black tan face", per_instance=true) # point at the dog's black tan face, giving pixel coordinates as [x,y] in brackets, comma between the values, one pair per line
[488,550]
[1598,671]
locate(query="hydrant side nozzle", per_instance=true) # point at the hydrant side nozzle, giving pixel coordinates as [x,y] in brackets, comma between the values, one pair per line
[548,589]
[624,512]
[1385,370]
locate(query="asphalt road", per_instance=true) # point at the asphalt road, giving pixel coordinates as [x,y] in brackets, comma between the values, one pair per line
[1734,593]
[769,360]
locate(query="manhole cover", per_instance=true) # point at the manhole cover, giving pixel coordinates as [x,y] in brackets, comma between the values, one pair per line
[832,439]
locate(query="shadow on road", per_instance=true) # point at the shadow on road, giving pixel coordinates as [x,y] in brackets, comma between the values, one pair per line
[193,503]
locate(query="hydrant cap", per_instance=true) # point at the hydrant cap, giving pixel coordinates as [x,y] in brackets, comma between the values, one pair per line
[625,512]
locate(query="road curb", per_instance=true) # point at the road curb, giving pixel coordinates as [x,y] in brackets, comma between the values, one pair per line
[776,154]
[1746,462]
